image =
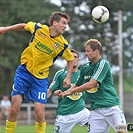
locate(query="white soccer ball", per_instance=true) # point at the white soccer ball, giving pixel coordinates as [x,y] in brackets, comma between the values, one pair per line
[100,14]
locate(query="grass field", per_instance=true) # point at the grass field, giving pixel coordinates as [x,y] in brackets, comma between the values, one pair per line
[30,129]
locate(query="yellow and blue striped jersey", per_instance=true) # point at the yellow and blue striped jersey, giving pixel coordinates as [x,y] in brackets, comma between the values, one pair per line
[43,50]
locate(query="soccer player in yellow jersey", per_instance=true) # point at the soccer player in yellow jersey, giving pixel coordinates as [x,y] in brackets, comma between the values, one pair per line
[31,77]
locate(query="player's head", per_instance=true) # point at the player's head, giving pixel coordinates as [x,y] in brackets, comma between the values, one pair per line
[76,58]
[56,16]
[93,50]
[94,45]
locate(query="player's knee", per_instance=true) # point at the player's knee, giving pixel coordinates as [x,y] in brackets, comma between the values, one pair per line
[14,112]
[40,115]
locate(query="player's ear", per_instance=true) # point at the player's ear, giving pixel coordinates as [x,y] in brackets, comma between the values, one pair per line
[54,23]
[97,51]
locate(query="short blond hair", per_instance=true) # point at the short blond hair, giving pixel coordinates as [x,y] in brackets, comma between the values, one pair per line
[94,44]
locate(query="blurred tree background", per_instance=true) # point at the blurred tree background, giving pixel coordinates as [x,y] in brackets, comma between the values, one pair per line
[80,29]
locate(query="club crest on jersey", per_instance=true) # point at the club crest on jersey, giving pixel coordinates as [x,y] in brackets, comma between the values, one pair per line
[42,35]
[56,45]
[75,96]
[53,82]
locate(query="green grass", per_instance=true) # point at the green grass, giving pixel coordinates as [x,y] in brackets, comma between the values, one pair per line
[49,129]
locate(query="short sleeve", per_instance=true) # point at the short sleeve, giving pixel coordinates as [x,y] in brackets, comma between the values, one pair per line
[30,26]
[68,55]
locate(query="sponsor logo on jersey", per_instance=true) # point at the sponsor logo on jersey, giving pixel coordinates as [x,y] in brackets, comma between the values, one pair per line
[75,96]
[87,77]
[93,90]
[56,45]
[42,35]
[43,48]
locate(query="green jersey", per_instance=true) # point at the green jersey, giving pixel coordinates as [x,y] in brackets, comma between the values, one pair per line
[104,94]
[70,104]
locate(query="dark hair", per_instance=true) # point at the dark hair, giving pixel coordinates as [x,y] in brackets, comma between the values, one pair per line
[94,44]
[56,16]
[74,51]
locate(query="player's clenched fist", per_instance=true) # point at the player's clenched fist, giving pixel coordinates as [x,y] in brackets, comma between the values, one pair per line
[58,93]
[2,30]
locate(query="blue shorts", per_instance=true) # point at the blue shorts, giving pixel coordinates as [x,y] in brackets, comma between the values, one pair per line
[25,83]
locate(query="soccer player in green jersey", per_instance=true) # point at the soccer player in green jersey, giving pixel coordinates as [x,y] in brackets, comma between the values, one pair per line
[46,44]
[71,110]
[96,79]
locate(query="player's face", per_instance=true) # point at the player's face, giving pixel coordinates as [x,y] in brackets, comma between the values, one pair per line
[76,60]
[61,25]
[90,53]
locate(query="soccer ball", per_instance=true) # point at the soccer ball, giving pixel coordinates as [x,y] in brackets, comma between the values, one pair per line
[100,14]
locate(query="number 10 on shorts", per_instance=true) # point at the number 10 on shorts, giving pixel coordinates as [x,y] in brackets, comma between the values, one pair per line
[41,95]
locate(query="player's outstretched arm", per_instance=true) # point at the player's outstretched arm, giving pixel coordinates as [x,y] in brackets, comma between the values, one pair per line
[20,26]
[67,80]
[66,93]
[74,89]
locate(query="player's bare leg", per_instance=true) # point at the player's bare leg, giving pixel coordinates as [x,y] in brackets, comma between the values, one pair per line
[11,121]
[40,125]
